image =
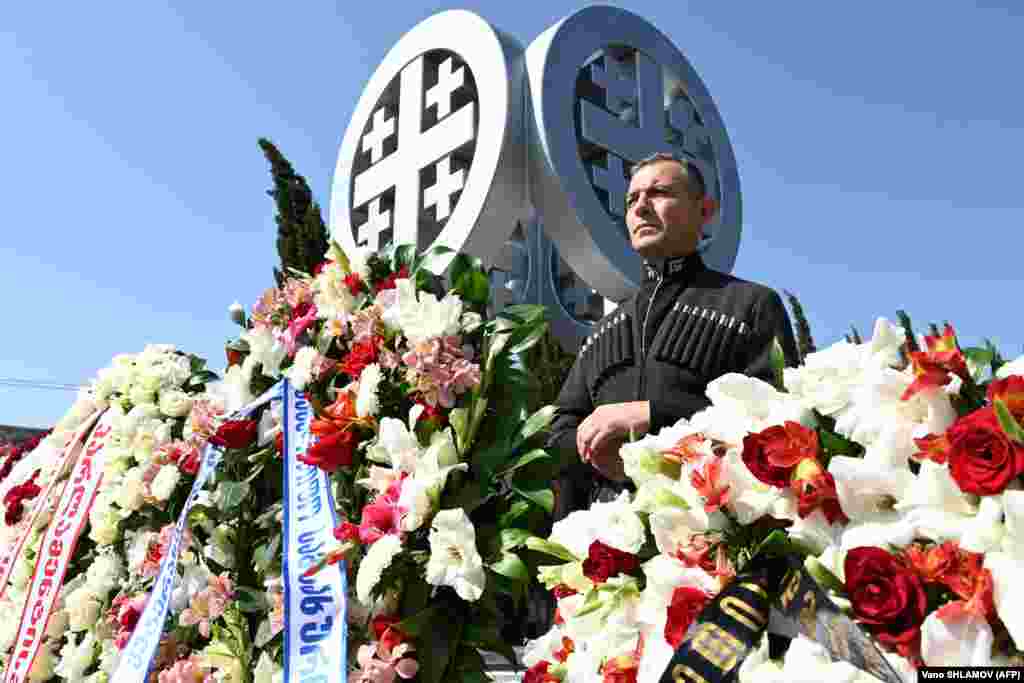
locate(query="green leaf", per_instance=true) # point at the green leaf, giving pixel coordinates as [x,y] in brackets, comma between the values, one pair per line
[511,566]
[516,510]
[231,494]
[836,444]
[544,497]
[542,545]
[513,538]
[472,495]
[486,637]
[440,642]
[433,259]
[1008,422]
[416,624]
[266,554]
[404,255]
[533,334]
[250,599]
[535,423]
[486,461]
[474,287]
[527,458]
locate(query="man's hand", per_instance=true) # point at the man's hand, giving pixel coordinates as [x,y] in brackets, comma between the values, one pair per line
[602,433]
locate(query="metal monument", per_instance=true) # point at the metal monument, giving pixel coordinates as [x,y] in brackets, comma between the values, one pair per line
[522,157]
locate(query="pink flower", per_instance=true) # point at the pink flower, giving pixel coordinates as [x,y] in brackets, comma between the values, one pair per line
[383,516]
[124,615]
[266,308]
[204,420]
[188,670]
[441,369]
[297,293]
[208,604]
[296,327]
[378,664]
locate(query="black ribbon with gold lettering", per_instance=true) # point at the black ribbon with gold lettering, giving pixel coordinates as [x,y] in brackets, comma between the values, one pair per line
[773,593]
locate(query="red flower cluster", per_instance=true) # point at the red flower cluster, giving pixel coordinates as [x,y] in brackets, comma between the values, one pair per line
[16,497]
[337,440]
[787,457]
[386,632]
[538,673]
[961,571]
[936,366]
[389,281]
[235,434]
[687,602]
[621,669]
[604,562]
[361,354]
[887,596]
[12,453]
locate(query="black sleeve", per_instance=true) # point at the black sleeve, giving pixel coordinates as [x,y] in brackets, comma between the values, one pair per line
[770,322]
[573,405]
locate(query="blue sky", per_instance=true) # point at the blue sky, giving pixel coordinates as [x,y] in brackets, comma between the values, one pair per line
[878,144]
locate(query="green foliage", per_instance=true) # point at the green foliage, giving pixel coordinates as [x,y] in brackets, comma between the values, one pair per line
[804,340]
[302,236]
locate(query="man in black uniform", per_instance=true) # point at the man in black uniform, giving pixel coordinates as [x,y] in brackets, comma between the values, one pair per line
[648,363]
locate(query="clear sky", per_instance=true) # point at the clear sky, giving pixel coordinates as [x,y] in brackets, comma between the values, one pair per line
[878,143]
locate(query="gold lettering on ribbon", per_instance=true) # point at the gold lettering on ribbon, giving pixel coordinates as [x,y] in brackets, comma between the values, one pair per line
[808,614]
[838,637]
[792,582]
[684,674]
[754,588]
[745,613]
[719,647]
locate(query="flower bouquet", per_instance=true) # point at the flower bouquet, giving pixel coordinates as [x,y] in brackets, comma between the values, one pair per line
[892,479]
[423,423]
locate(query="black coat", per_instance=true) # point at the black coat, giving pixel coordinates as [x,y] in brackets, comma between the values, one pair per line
[700,324]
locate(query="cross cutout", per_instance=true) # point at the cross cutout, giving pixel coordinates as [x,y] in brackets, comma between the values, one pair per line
[381,129]
[620,91]
[613,181]
[447,83]
[370,231]
[440,193]
[416,148]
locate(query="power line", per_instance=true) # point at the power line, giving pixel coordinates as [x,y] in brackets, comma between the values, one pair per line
[32,384]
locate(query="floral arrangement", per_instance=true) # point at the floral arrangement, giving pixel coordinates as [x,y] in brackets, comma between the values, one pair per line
[161,413]
[423,424]
[894,472]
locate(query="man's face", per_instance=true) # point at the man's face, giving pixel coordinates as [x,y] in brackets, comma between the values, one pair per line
[663,217]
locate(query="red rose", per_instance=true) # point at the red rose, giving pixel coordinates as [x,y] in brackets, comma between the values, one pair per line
[538,673]
[235,434]
[1011,392]
[604,561]
[771,455]
[361,355]
[16,498]
[887,595]
[331,451]
[982,459]
[687,602]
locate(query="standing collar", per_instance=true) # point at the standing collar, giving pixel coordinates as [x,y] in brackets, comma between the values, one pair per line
[672,268]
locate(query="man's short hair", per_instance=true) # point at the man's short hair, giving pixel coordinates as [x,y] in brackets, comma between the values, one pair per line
[695,179]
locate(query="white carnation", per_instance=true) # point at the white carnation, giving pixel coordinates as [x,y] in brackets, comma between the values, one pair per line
[104,574]
[166,480]
[454,560]
[377,559]
[301,371]
[367,400]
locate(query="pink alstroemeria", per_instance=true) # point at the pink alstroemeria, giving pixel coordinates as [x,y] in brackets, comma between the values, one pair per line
[379,665]
[188,670]
[208,604]
[296,327]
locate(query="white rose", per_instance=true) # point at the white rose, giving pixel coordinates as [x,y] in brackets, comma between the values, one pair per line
[104,521]
[454,560]
[131,493]
[175,403]
[166,480]
[83,608]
